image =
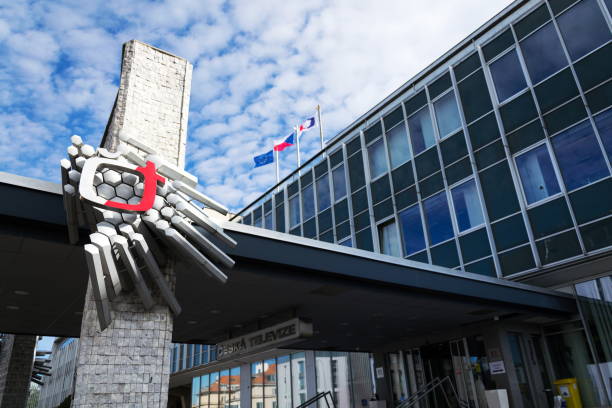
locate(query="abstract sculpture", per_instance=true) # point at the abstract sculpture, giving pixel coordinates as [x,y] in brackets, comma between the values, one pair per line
[136,207]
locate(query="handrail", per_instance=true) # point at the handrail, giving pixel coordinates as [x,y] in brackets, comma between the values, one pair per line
[321,395]
[429,388]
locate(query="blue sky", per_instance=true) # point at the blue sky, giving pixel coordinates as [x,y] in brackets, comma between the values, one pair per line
[260,67]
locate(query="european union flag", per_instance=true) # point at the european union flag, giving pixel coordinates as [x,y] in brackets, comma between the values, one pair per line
[264,159]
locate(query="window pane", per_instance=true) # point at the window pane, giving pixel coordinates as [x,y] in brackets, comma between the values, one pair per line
[438,219]
[507,76]
[346,243]
[583,28]
[270,383]
[579,156]
[213,396]
[283,367]
[308,202]
[234,386]
[204,390]
[323,195]
[421,132]
[257,389]
[378,161]
[389,241]
[399,149]
[537,174]
[298,378]
[447,114]
[339,182]
[294,210]
[258,222]
[323,373]
[224,394]
[467,206]
[268,221]
[603,121]
[543,53]
[412,230]
[195,392]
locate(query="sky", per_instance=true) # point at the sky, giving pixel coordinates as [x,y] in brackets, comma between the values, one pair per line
[260,68]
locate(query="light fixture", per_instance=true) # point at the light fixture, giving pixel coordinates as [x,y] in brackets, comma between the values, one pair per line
[215,311]
[191,322]
[12,307]
[21,292]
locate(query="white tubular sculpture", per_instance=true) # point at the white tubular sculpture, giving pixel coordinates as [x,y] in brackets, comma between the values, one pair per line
[137,208]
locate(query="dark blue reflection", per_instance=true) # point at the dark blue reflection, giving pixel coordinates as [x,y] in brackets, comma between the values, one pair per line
[603,121]
[537,174]
[438,218]
[579,156]
[412,230]
[543,53]
[507,76]
[308,202]
[583,28]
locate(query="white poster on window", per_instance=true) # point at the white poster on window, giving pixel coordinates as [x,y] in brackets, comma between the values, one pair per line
[497,367]
[380,373]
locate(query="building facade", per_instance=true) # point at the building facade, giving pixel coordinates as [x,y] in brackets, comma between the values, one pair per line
[60,384]
[495,160]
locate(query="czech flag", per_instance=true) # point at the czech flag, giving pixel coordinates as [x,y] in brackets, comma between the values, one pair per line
[307,125]
[264,159]
[289,141]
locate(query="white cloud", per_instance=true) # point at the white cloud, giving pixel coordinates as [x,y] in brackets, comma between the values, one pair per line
[259,68]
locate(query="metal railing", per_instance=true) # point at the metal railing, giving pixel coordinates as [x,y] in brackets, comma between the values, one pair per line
[327,396]
[431,387]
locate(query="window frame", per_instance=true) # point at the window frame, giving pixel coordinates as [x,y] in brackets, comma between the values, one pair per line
[526,77]
[379,139]
[433,129]
[410,152]
[454,212]
[556,170]
[438,136]
[419,205]
[383,222]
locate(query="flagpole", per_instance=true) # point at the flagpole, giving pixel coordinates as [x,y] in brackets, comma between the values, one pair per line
[277,169]
[297,141]
[320,126]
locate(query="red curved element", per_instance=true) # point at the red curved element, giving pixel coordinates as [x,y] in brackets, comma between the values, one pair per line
[151,178]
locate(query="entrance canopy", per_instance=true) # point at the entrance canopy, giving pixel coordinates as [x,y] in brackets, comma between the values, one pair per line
[354,299]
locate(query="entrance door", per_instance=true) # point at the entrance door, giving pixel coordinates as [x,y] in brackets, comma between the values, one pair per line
[462,368]
[530,372]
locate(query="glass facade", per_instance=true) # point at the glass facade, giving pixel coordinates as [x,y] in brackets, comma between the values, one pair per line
[488,165]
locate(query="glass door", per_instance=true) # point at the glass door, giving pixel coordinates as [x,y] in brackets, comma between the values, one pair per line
[462,369]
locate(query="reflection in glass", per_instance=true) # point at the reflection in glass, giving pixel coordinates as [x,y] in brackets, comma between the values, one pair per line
[543,53]
[257,222]
[269,377]
[412,230]
[347,243]
[323,373]
[204,390]
[340,379]
[421,131]
[308,205]
[224,390]
[298,378]
[234,387]
[397,142]
[583,28]
[378,161]
[195,392]
[389,241]
[507,76]
[603,121]
[294,211]
[339,182]
[268,221]
[323,194]
[438,219]
[213,395]
[520,369]
[537,174]
[447,114]
[579,156]
[467,205]
[283,378]
[257,385]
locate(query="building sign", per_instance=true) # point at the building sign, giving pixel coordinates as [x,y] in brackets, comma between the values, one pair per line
[497,367]
[275,336]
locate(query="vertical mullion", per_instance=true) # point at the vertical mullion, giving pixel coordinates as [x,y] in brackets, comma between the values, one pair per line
[513,172]
[519,53]
[438,140]
[389,179]
[485,212]
[349,195]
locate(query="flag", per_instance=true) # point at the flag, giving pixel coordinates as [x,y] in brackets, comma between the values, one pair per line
[264,159]
[307,125]
[289,141]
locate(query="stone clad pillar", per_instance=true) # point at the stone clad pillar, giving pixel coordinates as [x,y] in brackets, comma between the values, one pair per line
[128,364]
[16,360]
